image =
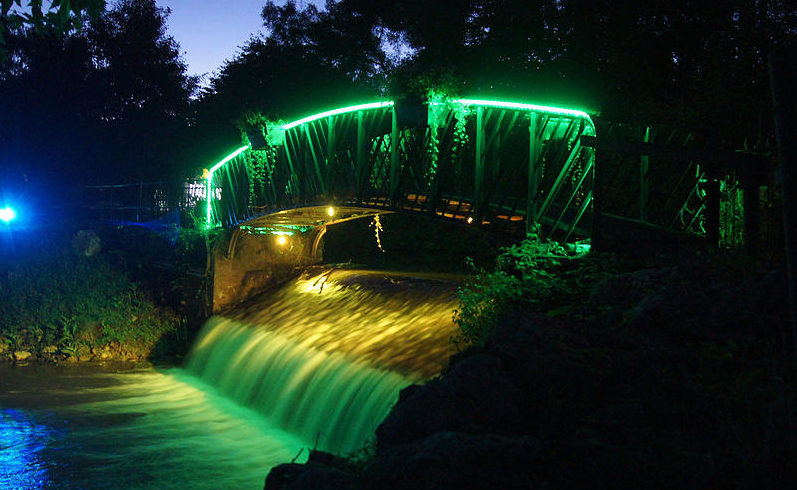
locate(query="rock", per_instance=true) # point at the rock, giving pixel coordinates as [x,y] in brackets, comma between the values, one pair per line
[309,476]
[22,355]
[456,460]
[626,289]
[476,395]
[86,243]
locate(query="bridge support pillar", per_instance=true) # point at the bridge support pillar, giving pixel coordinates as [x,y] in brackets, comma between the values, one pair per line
[244,265]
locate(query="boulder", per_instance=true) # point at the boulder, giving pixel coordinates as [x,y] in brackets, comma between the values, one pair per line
[22,355]
[476,395]
[455,460]
[323,471]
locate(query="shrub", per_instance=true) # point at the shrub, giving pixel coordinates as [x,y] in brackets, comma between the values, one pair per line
[77,304]
[524,274]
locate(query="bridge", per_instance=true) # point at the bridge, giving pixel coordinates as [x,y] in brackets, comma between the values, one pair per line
[490,163]
[507,166]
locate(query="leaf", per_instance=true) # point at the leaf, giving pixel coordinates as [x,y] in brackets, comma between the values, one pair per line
[562,310]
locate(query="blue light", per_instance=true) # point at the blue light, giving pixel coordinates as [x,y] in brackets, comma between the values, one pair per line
[7,214]
[21,441]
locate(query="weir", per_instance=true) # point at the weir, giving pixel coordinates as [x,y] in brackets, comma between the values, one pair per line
[325,356]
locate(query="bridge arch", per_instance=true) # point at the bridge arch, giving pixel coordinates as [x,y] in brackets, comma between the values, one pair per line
[504,165]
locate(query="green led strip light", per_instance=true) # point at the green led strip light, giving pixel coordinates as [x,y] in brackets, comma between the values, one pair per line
[335,112]
[524,107]
[209,179]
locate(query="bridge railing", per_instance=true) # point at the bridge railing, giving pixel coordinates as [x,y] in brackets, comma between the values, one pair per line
[493,163]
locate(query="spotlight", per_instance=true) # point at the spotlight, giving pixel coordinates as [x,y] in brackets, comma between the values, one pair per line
[470,219]
[281,239]
[331,211]
[7,214]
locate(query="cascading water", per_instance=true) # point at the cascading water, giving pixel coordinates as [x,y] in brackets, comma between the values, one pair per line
[317,362]
[325,357]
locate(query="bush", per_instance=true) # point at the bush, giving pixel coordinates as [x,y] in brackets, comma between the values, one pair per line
[78,305]
[525,274]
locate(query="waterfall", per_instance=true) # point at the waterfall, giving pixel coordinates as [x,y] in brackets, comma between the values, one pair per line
[326,362]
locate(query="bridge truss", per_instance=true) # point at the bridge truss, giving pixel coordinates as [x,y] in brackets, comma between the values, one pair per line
[509,166]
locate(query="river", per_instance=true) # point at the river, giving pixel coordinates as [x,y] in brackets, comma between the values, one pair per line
[316,363]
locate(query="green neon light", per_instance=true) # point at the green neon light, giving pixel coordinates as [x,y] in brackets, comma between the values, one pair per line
[524,107]
[228,158]
[209,181]
[335,112]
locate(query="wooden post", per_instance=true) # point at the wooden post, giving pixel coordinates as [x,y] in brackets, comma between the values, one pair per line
[533,188]
[361,171]
[644,189]
[752,211]
[783,79]
[138,201]
[330,156]
[394,157]
[479,169]
[712,208]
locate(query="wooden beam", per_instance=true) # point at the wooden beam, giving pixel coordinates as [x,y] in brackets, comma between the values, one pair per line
[533,175]
[718,158]
[394,156]
[479,168]
[644,189]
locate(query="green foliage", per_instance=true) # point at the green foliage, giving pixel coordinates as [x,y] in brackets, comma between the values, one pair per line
[482,300]
[61,15]
[525,274]
[731,213]
[79,305]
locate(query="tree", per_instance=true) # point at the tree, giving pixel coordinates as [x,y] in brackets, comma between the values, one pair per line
[309,60]
[62,16]
[692,63]
[144,89]
[104,103]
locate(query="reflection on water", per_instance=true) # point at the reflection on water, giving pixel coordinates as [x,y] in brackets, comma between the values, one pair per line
[21,440]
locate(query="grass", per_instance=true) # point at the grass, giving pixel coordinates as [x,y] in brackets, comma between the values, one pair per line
[56,304]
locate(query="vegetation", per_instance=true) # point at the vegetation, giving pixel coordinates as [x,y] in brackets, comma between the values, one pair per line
[526,274]
[60,305]
[84,92]
[105,102]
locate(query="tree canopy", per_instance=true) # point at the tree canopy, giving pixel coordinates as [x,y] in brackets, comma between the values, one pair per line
[108,96]
[104,103]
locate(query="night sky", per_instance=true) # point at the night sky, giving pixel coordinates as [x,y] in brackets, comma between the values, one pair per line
[210,32]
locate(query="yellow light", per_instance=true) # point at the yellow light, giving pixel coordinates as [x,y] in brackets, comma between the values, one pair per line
[469,220]
[331,211]
[281,239]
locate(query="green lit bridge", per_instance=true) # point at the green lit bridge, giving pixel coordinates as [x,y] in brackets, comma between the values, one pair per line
[503,165]
[499,165]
